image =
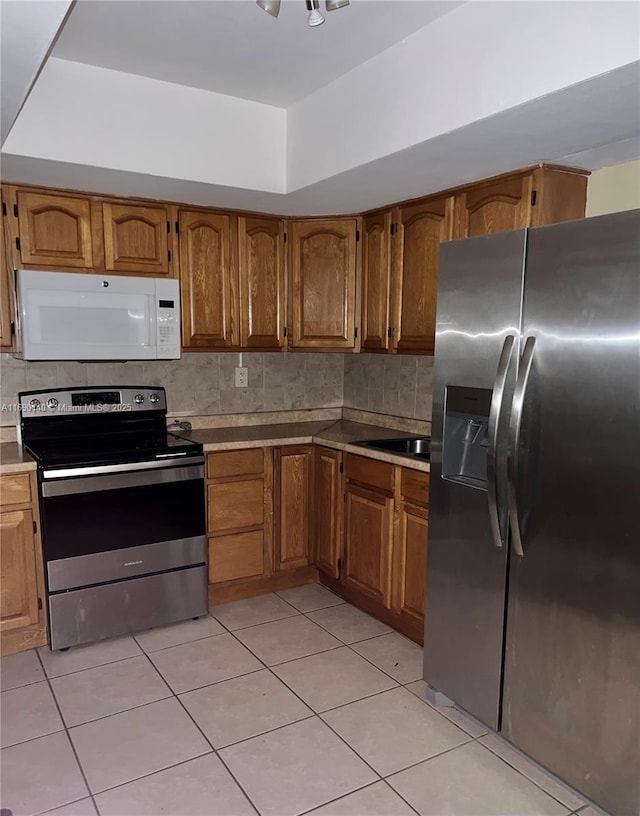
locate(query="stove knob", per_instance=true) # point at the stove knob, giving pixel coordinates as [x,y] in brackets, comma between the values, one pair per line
[52,403]
[34,404]
[154,398]
[138,399]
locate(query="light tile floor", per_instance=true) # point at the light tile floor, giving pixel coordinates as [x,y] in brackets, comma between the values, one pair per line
[286,704]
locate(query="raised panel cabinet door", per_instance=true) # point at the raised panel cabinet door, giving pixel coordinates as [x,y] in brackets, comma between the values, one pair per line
[262,284]
[328,510]
[376,282]
[18,578]
[498,206]
[419,231]
[136,238]
[323,275]
[412,560]
[54,230]
[368,543]
[293,506]
[208,308]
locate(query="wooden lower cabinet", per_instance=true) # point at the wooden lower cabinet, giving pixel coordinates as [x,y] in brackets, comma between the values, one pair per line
[237,506]
[329,505]
[22,617]
[368,542]
[250,551]
[382,568]
[410,561]
[294,506]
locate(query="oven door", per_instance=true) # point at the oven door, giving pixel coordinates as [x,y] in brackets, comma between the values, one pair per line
[112,522]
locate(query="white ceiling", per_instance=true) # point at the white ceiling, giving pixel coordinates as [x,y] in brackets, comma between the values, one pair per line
[27,30]
[235,48]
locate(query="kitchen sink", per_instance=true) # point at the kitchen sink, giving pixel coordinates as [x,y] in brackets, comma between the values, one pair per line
[416,448]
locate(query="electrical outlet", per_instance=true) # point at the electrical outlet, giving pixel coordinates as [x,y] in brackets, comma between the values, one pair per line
[242,377]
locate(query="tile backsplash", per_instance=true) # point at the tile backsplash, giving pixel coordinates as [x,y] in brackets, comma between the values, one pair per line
[201,384]
[400,385]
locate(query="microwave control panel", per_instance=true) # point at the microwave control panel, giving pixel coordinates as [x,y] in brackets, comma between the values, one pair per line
[167,319]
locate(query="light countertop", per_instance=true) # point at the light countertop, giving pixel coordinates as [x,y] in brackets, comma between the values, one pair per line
[13,459]
[341,435]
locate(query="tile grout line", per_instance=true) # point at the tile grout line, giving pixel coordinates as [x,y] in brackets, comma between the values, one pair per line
[379,777]
[68,736]
[206,739]
[533,782]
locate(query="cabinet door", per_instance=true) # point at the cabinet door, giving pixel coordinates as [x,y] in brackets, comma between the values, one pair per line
[6,312]
[136,238]
[368,542]
[323,275]
[293,491]
[208,289]
[376,282]
[261,265]
[411,560]
[328,510]
[420,229]
[498,206]
[18,579]
[54,230]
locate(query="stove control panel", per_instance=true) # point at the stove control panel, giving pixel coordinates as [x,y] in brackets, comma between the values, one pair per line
[91,400]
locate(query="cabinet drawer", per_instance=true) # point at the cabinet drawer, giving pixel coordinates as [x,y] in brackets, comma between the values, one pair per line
[15,489]
[235,505]
[414,486]
[236,556]
[370,472]
[235,463]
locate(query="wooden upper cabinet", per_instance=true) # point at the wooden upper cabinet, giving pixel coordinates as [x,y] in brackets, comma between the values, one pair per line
[54,230]
[376,281]
[419,230]
[293,506]
[328,509]
[136,238]
[18,575]
[323,278]
[497,206]
[208,288]
[6,312]
[262,283]
[541,195]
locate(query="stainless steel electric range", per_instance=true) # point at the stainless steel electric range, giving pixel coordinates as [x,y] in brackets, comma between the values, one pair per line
[122,508]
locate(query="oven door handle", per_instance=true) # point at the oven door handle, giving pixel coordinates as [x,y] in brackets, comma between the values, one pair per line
[118,480]
[95,470]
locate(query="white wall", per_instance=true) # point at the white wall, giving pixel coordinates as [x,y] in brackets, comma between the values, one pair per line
[614,189]
[87,115]
[474,62]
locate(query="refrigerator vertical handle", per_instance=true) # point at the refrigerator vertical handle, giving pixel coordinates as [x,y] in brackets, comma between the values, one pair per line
[492,452]
[513,460]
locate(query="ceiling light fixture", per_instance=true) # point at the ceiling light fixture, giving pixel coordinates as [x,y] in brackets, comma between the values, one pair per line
[315,18]
[272,7]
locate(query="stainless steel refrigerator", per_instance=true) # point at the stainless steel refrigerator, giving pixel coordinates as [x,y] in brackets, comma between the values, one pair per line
[532,619]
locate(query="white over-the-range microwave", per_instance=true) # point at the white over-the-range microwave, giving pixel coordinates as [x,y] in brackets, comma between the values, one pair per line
[69,316]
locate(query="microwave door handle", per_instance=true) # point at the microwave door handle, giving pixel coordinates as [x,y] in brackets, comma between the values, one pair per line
[513,459]
[495,411]
[153,320]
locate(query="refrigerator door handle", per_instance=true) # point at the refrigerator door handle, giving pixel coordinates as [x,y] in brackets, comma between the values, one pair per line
[513,459]
[499,537]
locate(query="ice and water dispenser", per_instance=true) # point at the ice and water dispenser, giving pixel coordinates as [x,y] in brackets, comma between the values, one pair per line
[465,436]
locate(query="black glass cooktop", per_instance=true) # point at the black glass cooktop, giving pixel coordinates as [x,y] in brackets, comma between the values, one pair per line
[109,449]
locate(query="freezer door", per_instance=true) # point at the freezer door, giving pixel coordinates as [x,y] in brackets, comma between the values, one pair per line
[572,666]
[479,302]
